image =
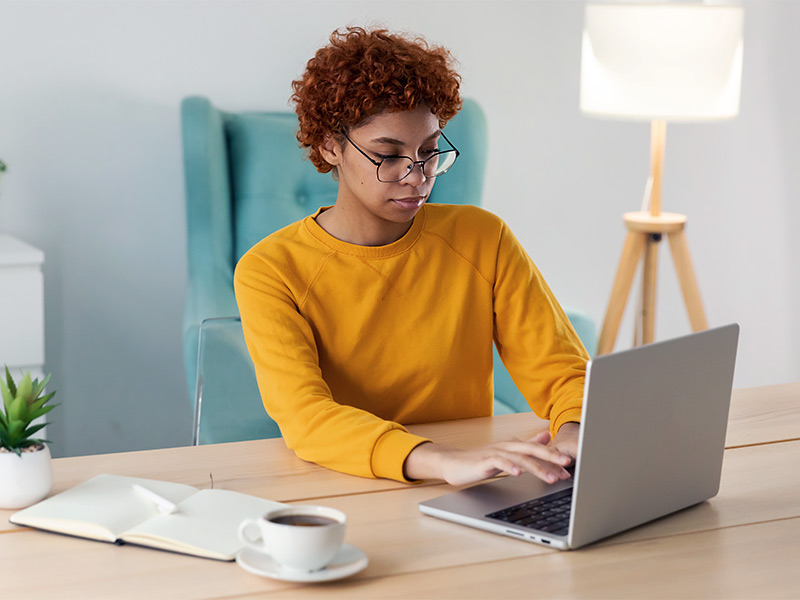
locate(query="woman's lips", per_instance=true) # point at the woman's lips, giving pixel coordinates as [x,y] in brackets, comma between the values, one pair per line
[410,202]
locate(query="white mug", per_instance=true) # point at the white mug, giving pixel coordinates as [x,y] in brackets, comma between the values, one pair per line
[304,538]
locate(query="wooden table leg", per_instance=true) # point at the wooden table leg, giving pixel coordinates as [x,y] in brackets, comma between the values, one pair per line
[687,279]
[631,252]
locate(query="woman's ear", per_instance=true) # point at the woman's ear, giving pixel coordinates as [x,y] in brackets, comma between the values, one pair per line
[331,151]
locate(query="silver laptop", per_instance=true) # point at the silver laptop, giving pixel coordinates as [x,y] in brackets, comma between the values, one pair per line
[651,443]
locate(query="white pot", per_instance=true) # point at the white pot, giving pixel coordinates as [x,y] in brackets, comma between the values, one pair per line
[24,479]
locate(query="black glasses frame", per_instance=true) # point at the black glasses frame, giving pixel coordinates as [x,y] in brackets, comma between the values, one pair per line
[414,163]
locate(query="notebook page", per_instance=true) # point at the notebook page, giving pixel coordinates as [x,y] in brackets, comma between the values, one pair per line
[103,507]
[206,524]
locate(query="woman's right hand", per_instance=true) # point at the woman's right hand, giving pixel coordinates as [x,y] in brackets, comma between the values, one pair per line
[460,467]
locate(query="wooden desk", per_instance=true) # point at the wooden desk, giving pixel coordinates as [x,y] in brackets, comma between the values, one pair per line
[744,543]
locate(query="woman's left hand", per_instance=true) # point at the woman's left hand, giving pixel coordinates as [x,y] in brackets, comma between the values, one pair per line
[566,440]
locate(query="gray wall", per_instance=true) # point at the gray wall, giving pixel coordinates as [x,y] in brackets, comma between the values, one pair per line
[89,126]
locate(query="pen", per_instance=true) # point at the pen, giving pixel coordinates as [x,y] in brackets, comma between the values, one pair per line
[165,507]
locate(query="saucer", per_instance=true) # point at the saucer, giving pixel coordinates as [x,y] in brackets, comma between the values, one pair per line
[348,561]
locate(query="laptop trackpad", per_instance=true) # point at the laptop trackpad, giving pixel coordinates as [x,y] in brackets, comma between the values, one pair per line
[485,498]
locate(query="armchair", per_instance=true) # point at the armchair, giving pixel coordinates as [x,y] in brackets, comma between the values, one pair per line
[247,177]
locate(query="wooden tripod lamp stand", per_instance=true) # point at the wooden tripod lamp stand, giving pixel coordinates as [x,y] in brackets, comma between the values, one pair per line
[658,63]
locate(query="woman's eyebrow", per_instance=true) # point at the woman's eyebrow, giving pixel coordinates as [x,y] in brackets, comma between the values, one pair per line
[396,142]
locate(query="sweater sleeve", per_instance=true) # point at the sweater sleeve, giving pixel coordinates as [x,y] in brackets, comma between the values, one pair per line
[534,337]
[313,424]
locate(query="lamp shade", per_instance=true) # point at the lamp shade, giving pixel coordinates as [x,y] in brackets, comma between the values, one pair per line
[678,62]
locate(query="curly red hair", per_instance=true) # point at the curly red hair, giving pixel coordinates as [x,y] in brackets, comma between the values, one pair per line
[361,73]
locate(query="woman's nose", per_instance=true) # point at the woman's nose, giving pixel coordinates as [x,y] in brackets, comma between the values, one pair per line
[416,176]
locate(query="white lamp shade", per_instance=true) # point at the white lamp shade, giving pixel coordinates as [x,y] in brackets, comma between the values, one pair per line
[657,61]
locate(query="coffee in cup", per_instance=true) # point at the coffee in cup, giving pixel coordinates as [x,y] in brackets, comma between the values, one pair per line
[303,520]
[304,538]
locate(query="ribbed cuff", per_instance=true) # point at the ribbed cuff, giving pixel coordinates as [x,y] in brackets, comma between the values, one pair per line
[391,451]
[568,416]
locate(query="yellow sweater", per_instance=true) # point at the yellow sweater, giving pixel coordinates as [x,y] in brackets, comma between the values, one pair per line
[350,342]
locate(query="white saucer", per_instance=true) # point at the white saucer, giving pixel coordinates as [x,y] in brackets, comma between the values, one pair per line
[348,561]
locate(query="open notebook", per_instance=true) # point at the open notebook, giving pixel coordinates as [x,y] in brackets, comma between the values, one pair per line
[108,508]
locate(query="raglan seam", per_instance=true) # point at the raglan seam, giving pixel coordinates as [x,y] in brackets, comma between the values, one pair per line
[461,256]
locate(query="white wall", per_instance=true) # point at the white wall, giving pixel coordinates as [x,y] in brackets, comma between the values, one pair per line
[89,127]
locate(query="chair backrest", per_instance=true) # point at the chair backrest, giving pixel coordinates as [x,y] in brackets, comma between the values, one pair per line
[247,177]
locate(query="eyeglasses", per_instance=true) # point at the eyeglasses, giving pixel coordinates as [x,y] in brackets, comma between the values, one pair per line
[397,168]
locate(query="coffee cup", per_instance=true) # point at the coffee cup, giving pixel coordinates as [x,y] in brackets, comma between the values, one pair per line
[303,538]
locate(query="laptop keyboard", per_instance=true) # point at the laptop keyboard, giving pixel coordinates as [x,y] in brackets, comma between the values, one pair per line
[548,513]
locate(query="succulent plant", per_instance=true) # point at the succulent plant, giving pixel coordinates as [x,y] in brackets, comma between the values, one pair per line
[22,404]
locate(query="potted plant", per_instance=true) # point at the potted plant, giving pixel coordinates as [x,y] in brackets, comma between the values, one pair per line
[25,472]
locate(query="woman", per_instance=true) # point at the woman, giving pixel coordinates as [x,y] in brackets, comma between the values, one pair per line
[381,310]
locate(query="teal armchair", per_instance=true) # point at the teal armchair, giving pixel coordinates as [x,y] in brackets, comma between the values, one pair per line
[246,177]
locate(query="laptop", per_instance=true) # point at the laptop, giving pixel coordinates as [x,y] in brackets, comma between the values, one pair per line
[651,443]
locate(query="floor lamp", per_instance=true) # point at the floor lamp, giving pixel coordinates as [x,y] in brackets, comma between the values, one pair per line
[658,63]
